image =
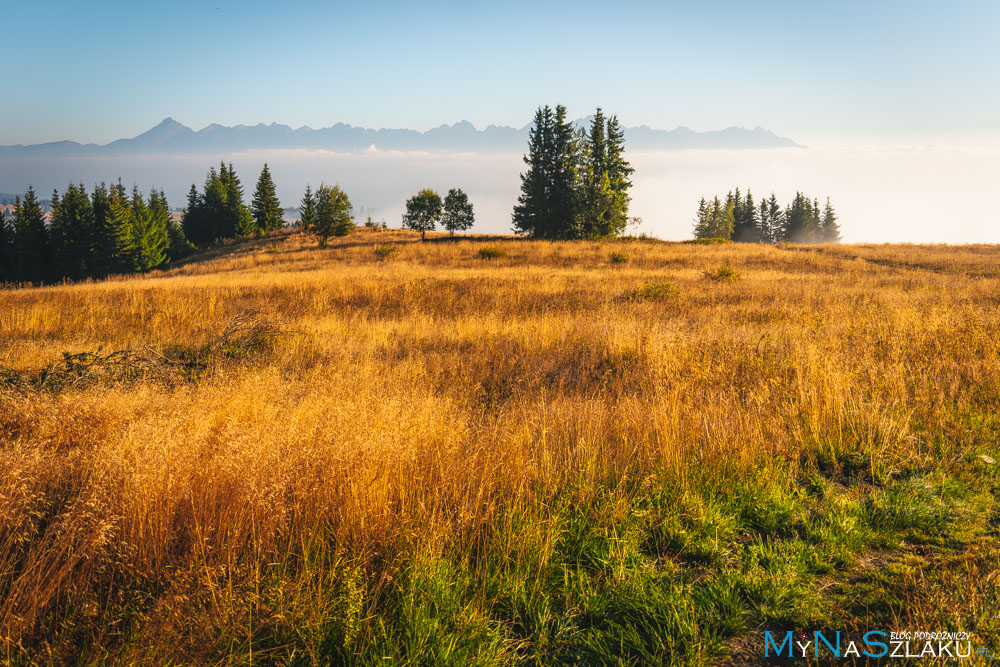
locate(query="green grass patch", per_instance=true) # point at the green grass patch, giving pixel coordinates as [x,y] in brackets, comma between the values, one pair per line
[491,253]
[387,250]
[651,290]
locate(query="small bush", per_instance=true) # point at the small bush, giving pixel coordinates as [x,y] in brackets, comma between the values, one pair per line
[491,253]
[386,250]
[712,241]
[723,274]
[619,258]
[245,337]
[651,291]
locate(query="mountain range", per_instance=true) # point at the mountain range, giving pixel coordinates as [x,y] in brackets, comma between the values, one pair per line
[173,138]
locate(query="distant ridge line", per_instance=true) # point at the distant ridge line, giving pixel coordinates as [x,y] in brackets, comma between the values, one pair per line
[170,137]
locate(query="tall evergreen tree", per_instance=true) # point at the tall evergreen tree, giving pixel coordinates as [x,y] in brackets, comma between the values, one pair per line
[746,223]
[31,240]
[72,233]
[596,200]
[547,206]
[800,221]
[619,177]
[178,245]
[214,194]
[103,261]
[239,219]
[736,201]
[153,238]
[194,223]
[266,208]
[6,249]
[830,229]
[307,210]
[121,231]
[702,221]
[531,211]
[563,178]
[715,219]
[458,215]
[771,220]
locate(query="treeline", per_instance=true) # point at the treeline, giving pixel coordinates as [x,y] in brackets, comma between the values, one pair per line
[738,218]
[108,231]
[219,212]
[577,181]
[113,231]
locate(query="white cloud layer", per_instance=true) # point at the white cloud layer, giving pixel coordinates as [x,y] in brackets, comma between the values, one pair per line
[905,194]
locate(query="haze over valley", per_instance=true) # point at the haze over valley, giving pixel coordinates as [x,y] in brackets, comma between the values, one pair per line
[873,186]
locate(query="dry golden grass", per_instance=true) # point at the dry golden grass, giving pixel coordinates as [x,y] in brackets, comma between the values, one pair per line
[428,405]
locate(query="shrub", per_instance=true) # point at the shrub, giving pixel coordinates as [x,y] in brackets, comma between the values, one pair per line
[723,273]
[651,291]
[711,241]
[491,253]
[619,257]
[386,250]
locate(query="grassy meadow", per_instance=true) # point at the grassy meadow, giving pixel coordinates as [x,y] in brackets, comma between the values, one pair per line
[498,451]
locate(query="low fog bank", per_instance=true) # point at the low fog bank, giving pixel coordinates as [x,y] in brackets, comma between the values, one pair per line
[911,194]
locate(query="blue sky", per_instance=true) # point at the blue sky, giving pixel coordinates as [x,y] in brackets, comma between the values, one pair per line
[828,73]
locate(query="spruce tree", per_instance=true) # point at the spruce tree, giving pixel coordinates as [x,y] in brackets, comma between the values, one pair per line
[307,210]
[619,176]
[6,249]
[531,212]
[72,233]
[31,240]
[595,201]
[800,221]
[194,222]
[775,219]
[746,224]
[155,232]
[104,240]
[214,194]
[723,219]
[562,179]
[178,244]
[735,200]
[702,222]
[458,214]
[830,228]
[266,208]
[121,231]
[239,220]
[715,219]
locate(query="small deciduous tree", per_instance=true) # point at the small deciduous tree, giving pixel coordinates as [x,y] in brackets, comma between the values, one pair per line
[332,213]
[458,214]
[423,211]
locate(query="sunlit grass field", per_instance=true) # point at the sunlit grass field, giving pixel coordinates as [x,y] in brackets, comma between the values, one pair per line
[623,452]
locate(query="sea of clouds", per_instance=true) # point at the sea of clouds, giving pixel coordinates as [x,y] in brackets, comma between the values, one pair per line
[882,194]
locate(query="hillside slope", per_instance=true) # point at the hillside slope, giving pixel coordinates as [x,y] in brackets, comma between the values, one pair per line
[572,452]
